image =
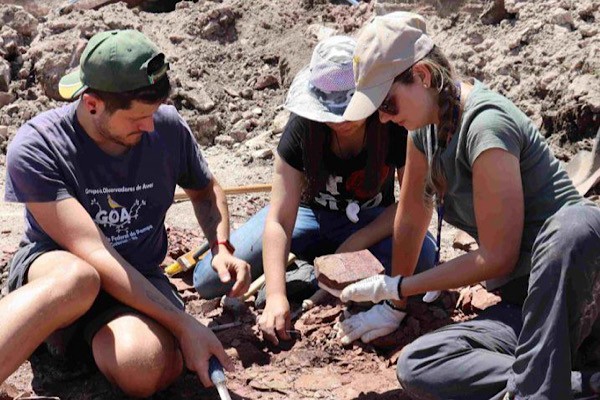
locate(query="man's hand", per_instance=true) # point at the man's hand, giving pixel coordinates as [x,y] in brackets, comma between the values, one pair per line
[198,343]
[274,321]
[379,321]
[226,265]
[374,289]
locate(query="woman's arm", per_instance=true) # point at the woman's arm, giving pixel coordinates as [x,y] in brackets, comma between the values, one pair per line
[499,211]
[379,229]
[412,214]
[285,200]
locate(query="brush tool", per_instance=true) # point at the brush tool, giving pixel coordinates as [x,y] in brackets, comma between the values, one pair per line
[217,376]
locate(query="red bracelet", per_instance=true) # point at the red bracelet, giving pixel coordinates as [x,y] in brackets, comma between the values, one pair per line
[225,243]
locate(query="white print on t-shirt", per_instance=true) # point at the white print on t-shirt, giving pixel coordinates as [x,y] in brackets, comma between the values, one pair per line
[330,201]
[113,216]
[116,216]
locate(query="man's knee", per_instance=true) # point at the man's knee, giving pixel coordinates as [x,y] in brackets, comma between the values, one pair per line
[70,280]
[139,356]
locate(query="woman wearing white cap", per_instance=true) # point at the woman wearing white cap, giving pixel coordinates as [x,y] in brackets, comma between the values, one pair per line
[485,165]
[333,186]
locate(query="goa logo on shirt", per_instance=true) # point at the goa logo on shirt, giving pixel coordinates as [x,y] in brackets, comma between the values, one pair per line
[116,216]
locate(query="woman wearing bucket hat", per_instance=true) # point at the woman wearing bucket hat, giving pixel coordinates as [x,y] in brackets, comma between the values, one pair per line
[345,171]
[481,160]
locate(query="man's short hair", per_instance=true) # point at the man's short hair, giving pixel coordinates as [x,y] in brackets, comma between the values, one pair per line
[152,94]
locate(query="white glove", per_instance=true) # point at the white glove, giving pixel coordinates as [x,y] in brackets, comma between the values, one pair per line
[377,288]
[430,297]
[374,289]
[379,321]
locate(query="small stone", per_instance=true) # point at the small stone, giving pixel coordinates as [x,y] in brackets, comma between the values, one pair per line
[562,17]
[494,13]
[247,93]
[231,91]
[225,141]
[483,299]
[463,241]
[262,154]
[257,111]
[587,30]
[265,81]
[4,75]
[280,121]
[6,99]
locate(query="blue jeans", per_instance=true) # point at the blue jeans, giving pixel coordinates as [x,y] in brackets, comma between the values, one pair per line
[316,232]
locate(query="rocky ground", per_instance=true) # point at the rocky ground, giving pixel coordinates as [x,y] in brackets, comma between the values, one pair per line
[231,64]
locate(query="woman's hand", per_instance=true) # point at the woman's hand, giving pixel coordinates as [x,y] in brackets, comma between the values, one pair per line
[379,321]
[275,322]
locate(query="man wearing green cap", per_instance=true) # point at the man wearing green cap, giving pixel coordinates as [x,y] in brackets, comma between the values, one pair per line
[97,177]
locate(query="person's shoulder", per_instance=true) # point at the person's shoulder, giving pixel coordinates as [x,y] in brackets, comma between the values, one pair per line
[167,114]
[45,127]
[489,110]
[170,126]
[297,123]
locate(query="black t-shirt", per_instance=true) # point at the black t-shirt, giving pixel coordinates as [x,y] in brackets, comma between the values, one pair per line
[346,176]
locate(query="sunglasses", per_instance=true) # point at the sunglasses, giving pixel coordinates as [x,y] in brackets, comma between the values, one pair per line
[389,106]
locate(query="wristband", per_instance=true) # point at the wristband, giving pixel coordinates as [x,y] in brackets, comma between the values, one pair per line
[400,297]
[225,243]
[393,306]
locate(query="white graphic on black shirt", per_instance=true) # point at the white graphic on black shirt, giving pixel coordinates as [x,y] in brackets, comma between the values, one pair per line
[335,201]
[116,216]
[328,199]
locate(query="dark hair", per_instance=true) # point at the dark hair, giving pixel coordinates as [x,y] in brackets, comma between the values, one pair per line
[152,94]
[443,79]
[319,138]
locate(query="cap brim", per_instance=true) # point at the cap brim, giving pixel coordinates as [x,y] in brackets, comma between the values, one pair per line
[71,86]
[301,101]
[365,102]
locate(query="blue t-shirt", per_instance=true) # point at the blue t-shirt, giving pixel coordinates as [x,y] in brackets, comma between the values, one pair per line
[52,158]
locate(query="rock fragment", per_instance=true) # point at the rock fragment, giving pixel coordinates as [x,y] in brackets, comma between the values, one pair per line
[340,270]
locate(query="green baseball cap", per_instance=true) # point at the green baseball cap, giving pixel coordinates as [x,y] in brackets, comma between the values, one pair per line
[115,61]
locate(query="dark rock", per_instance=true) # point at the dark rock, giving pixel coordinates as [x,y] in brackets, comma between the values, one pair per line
[266,81]
[494,13]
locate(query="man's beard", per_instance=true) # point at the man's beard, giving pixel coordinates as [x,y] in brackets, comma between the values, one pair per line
[104,131]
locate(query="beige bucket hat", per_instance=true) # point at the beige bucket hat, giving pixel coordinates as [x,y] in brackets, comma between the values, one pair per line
[386,47]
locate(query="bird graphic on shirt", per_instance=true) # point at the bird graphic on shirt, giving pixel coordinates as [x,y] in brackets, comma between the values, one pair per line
[112,203]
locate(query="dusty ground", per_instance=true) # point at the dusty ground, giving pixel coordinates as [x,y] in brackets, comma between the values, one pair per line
[232,62]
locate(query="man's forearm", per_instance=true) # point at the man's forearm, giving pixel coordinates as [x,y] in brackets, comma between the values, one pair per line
[70,226]
[212,213]
[129,286]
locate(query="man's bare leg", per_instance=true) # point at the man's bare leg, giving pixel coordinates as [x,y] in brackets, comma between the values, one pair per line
[61,287]
[137,354]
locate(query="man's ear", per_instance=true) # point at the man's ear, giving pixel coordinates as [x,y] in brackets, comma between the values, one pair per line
[92,103]
[422,74]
